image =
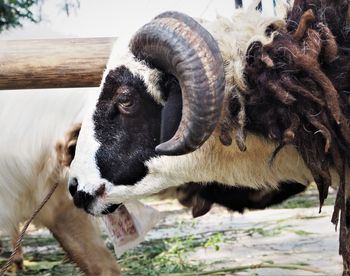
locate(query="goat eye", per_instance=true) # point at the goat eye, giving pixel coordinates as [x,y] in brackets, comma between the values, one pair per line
[125,103]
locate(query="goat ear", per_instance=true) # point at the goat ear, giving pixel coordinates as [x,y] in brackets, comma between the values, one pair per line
[66,150]
[189,196]
[171,113]
[200,206]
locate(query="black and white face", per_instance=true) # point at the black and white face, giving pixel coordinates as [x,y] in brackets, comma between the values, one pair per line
[115,141]
[163,96]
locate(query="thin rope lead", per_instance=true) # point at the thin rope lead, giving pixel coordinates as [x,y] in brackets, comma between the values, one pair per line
[9,262]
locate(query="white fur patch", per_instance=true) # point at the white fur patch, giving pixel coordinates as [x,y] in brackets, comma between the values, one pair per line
[215,162]
[121,55]
[84,166]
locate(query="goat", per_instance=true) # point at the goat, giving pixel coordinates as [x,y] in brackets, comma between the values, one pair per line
[171,105]
[35,155]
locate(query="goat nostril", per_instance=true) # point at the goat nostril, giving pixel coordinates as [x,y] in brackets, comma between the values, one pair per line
[73,186]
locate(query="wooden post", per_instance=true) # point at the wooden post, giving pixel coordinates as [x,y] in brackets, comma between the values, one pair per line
[53,63]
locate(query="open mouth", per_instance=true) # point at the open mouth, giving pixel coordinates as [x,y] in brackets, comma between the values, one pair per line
[110,209]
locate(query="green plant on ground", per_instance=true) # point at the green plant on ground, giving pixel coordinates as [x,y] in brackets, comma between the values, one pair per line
[162,256]
[214,241]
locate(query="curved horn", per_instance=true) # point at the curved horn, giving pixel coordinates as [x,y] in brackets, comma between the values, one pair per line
[177,44]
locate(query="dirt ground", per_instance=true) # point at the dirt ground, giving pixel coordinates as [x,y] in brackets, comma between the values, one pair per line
[290,239]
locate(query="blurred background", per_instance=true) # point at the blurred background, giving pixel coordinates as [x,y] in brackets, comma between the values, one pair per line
[24,19]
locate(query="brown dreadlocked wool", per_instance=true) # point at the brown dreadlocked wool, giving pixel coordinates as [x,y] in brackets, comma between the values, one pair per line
[301,84]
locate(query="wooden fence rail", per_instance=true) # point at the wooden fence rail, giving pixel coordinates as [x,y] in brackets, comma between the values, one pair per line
[53,63]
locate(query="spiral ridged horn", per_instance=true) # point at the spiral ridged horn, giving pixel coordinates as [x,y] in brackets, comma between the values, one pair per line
[177,44]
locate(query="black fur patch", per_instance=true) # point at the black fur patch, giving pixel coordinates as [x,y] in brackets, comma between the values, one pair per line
[347,213]
[172,111]
[239,198]
[127,140]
